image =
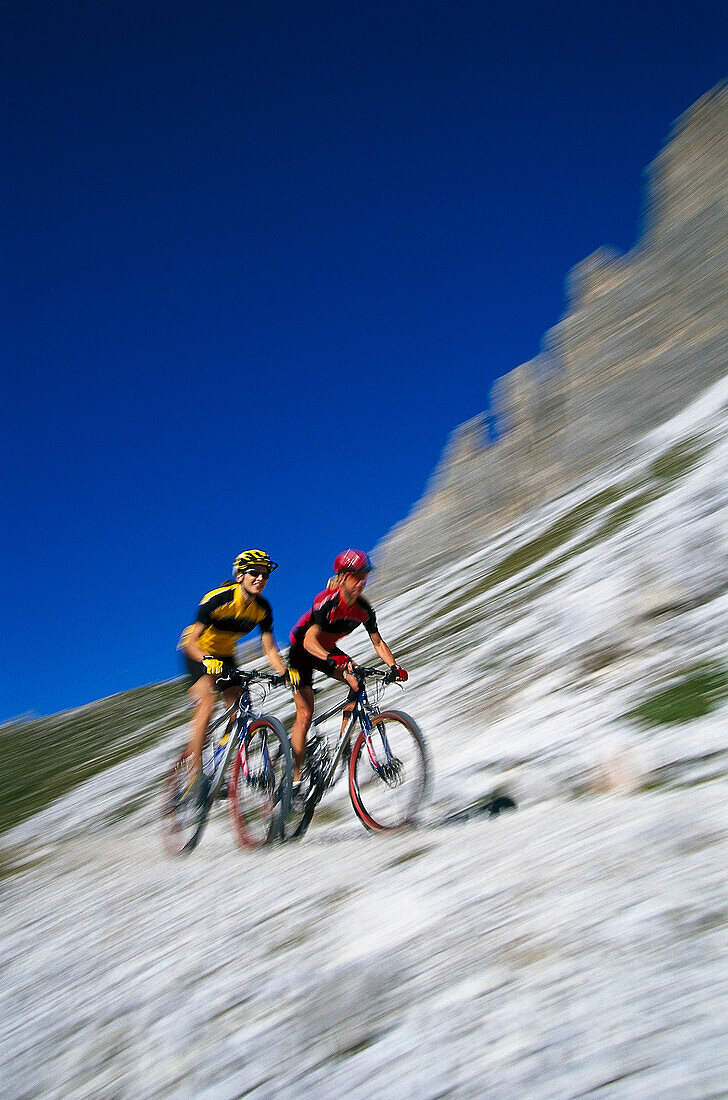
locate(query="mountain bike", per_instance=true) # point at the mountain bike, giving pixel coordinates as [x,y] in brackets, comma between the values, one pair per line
[258,783]
[387,761]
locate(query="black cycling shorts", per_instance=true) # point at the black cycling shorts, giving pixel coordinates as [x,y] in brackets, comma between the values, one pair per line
[305,663]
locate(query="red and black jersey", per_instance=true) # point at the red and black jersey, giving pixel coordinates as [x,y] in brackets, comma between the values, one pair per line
[331,614]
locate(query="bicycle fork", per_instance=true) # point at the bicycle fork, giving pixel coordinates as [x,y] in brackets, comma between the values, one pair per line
[390,770]
[263,779]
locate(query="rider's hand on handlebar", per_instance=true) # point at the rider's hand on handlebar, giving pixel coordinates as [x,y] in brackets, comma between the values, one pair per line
[291,678]
[339,661]
[213,665]
[397,674]
[346,666]
[225,672]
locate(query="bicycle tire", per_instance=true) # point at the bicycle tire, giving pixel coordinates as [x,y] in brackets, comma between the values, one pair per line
[180,818]
[259,791]
[387,799]
[298,822]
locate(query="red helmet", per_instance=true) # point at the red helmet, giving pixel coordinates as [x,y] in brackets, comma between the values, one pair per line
[352,561]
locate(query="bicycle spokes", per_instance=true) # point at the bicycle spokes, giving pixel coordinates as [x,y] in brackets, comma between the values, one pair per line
[182,818]
[260,783]
[384,762]
[391,772]
[388,772]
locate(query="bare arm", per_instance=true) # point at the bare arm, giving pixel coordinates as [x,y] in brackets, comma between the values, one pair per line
[271,653]
[382,649]
[190,646]
[312,643]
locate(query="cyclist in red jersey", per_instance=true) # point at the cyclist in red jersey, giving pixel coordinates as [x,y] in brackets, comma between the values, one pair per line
[337,611]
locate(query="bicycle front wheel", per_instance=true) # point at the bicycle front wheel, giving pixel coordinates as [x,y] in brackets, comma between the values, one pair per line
[182,819]
[259,793]
[388,772]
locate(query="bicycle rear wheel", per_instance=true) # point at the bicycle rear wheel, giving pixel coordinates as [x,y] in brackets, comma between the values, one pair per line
[181,818]
[302,811]
[259,793]
[388,776]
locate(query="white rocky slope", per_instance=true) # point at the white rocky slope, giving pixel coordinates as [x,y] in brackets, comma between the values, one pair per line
[576,946]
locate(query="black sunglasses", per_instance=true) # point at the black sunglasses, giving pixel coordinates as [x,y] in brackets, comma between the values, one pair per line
[258,573]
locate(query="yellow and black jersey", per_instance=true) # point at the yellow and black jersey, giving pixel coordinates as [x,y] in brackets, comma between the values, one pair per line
[226,619]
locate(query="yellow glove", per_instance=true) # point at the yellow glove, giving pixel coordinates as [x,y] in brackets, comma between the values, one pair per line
[294,678]
[212,665]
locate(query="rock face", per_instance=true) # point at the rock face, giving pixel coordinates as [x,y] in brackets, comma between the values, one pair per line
[642,336]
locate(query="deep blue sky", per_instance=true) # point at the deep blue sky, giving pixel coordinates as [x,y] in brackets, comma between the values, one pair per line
[260,258]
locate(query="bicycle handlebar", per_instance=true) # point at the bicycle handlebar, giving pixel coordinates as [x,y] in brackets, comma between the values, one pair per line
[271,678]
[362,670]
[242,676]
[276,681]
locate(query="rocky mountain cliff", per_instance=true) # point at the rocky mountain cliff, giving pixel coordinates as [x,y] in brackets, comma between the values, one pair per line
[643,334]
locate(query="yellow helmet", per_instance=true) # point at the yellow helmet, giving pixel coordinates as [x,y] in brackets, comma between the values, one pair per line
[253,557]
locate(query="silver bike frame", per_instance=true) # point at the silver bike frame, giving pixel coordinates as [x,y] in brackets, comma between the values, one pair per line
[239,715]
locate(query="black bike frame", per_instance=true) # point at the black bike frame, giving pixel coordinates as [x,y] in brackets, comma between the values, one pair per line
[360,713]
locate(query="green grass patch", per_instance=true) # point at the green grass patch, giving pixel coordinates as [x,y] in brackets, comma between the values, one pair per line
[695,694]
[44,758]
[562,531]
[678,460]
[621,516]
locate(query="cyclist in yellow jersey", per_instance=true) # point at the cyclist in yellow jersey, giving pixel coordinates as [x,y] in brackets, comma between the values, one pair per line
[224,616]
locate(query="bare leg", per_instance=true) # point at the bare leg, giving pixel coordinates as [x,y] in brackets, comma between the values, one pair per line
[203,695]
[303,699]
[345,715]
